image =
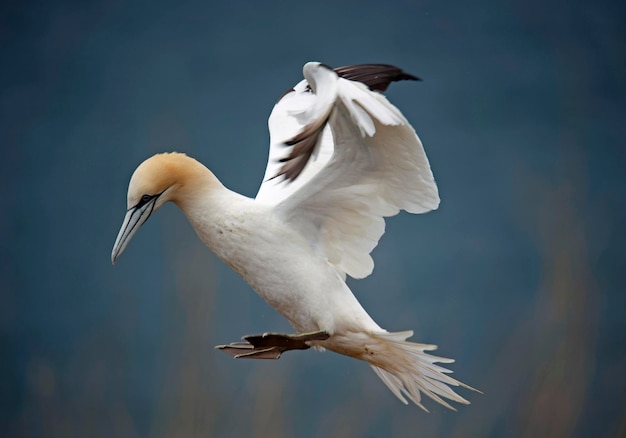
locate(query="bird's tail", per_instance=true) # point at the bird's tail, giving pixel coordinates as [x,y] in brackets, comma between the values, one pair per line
[408,371]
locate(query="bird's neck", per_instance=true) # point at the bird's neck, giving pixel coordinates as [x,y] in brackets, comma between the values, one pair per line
[208,204]
[198,190]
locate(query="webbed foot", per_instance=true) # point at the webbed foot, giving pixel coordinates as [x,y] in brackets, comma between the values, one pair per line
[271,345]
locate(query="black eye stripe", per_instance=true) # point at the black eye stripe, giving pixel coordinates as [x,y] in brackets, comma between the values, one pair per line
[144,200]
[147,198]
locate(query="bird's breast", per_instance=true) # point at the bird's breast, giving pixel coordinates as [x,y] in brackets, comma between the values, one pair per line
[273,258]
[281,266]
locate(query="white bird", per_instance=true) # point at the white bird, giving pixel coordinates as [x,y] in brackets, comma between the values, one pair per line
[341,159]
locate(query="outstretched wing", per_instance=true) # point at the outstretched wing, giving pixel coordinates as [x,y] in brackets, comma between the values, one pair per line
[341,159]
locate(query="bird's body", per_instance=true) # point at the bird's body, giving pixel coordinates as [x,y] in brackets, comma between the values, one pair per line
[319,212]
[296,281]
[251,238]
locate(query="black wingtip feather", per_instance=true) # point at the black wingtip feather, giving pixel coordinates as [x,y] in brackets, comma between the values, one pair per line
[376,76]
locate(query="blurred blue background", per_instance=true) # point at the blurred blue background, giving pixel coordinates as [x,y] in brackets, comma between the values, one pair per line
[519,275]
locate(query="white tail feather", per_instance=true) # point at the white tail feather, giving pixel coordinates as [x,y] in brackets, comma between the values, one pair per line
[408,371]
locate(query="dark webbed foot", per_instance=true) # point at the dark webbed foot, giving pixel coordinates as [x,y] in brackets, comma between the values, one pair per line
[271,345]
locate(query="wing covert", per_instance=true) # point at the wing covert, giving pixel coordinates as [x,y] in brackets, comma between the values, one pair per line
[368,163]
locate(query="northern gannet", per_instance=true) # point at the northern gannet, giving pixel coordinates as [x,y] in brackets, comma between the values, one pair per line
[341,159]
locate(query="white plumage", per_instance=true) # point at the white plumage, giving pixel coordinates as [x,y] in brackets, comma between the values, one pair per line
[341,159]
[379,168]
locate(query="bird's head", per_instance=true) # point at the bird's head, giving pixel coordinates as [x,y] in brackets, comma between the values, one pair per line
[159,179]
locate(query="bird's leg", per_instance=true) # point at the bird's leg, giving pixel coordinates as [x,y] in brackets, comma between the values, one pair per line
[271,345]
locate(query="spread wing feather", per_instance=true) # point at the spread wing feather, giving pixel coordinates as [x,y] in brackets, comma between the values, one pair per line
[367,163]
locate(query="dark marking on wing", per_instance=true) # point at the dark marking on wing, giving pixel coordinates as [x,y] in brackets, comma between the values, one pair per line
[303,147]
[377,77]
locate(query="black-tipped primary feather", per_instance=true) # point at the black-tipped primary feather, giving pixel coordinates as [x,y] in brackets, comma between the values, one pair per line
[377,77]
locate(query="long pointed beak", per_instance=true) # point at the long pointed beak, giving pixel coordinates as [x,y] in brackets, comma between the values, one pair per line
[135,217]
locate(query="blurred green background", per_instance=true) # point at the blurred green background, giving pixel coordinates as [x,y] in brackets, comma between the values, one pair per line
[519,275]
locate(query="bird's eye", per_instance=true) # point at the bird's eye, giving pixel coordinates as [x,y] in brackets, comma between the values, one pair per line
[144,200]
